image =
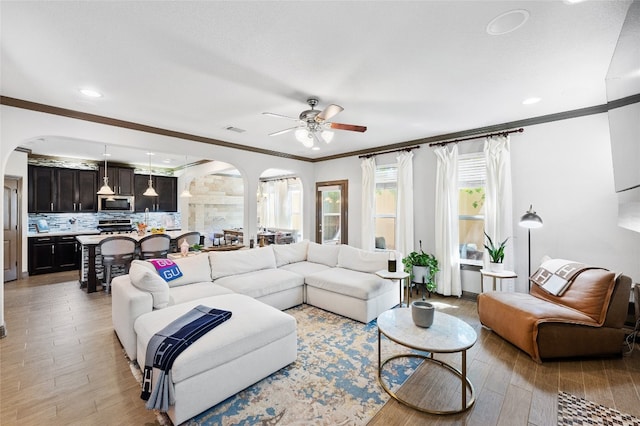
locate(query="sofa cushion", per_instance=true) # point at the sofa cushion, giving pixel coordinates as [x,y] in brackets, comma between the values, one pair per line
[225,263]
[305,268]
[589,293]
[193,291]
[252,325]
[261,283]
[360,285]
[290,253]
[147,279]
[194,269]
[362,260]
[325,254]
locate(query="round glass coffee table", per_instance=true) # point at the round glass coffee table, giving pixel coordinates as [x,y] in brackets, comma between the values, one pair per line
[448,334]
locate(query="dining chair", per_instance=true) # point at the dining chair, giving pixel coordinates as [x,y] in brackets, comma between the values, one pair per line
[116,251]
[154,246]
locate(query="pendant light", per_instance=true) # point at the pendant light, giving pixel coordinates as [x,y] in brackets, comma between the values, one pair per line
[150,192]
[105,189]
[185,192]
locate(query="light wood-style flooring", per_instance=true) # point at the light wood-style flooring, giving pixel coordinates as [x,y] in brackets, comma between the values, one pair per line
[61,364]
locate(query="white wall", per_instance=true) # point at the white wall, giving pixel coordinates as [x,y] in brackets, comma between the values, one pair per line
[563,168]
[20,125]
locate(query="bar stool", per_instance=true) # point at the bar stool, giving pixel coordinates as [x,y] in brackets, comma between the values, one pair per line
[191,237]
[154,246]
[116,251]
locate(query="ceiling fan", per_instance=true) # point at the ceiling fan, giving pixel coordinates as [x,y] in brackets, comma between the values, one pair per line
[313,125]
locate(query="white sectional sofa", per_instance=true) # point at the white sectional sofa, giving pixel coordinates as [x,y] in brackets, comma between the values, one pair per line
[253,284]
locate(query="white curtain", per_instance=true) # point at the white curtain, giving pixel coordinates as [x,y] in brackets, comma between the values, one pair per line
[275,206]
[404,210]
[368,203]
[498,220]
[446,207]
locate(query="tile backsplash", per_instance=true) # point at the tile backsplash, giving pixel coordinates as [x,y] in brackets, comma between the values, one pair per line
[61,222]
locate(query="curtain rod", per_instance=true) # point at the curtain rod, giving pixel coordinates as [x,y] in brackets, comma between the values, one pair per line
[505,133]
[387,152]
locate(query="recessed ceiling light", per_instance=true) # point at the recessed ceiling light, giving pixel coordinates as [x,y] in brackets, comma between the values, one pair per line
[90,93]
[530,101]
[316,148]
[507,22]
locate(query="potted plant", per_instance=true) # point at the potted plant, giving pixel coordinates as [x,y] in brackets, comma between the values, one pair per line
[495,253]
[422,267]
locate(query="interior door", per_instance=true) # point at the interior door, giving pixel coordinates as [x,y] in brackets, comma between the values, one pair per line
[11,231]
[331,212]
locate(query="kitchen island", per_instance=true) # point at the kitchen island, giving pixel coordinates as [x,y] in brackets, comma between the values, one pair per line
[91,263]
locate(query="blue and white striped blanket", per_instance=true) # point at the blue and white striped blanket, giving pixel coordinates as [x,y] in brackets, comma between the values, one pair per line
[165,346]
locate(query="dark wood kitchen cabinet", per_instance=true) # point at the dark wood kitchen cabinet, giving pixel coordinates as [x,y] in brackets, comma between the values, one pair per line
[121,179]
[59,190]
[165,186]
[53,254]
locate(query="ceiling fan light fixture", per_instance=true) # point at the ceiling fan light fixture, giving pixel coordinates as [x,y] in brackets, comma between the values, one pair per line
[327,136]
[305,137]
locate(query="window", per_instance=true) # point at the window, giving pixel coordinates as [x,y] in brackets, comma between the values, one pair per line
[280,205]
[472,176]
[385,201]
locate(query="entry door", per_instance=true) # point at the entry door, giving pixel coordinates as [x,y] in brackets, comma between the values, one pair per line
[331,212]
[10,224]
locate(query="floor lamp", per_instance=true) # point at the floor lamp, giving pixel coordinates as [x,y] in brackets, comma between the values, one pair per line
[530,220]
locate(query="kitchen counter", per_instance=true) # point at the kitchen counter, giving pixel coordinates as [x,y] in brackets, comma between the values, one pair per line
[89,243]
[63,233]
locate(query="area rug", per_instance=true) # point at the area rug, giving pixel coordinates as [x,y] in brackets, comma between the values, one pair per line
[333,381]
[576,411]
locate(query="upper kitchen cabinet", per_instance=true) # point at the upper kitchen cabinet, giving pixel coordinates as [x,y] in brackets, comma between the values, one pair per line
[42,193]
[121,179]
[60,190]
[165,186]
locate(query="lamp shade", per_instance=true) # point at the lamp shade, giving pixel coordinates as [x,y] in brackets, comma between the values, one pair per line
[530,219]
[304,136]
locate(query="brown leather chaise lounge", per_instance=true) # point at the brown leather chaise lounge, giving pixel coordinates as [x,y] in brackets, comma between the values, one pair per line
[586,320]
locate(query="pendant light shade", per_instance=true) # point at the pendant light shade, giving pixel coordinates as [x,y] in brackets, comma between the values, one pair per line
[150,192]
[105,189]
[185,192]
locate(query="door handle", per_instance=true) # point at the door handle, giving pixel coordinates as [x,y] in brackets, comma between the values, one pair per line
[79,206]
[53,249]
[74,207]
[51,206]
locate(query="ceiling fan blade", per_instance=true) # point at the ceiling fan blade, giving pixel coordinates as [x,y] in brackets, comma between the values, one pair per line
[273,114]
[351,127]
[328,112]
[280,132]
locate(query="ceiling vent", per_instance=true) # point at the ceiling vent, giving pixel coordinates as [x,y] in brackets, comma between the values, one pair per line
[234,129]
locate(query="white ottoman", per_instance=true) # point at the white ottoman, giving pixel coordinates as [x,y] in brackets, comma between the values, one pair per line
[255,342]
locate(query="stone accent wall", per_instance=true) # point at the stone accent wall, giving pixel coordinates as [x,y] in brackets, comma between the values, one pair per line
[217,203]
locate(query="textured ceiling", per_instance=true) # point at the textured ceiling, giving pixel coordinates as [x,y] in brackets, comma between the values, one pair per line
[406,70]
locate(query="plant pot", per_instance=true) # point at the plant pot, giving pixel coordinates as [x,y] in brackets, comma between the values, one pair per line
[422,313]
[496,267]
[420,274]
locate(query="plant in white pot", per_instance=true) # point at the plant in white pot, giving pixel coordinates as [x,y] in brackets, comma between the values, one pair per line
[496,253]
[422,267]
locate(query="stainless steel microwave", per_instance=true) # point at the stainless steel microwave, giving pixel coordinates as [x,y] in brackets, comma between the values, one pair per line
[116,203]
